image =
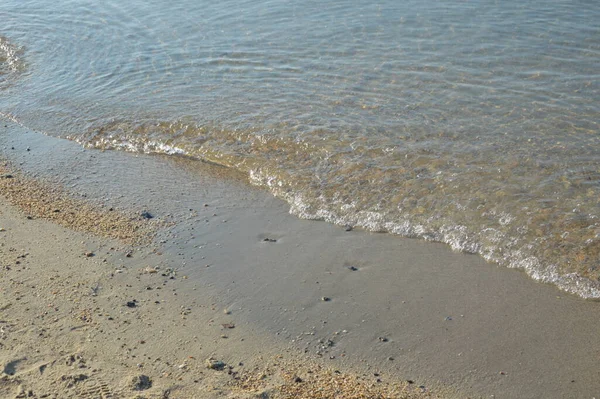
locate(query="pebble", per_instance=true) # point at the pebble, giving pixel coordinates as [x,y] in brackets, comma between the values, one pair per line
[146,215]
[151,270]
[352,268]
[131,304]
[326,299]
[383,339]
[214,364]
[141,382]
[348,227]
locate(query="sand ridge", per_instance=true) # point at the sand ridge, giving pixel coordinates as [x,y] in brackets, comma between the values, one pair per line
[37,199]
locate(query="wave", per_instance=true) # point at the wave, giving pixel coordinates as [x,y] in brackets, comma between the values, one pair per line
[518,212]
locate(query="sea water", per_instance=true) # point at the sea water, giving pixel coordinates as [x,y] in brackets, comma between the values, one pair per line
[473,123]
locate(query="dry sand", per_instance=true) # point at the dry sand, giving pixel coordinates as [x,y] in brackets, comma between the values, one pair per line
[398,310]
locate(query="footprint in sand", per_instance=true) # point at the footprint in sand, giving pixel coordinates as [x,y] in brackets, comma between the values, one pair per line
[95,388]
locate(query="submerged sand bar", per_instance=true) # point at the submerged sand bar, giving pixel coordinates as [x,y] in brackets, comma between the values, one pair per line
[225,254]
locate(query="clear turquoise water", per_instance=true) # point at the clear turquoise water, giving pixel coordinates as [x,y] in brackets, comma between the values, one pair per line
[471,123]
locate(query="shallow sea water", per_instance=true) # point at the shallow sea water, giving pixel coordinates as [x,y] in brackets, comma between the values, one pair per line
[470,123]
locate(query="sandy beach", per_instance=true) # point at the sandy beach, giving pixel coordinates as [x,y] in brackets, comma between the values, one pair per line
[129,279]
[98,316]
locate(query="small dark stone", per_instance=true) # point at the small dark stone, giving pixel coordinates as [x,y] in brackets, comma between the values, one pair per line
[352,268]
[131,304]
[7,176]
[348,227]
[410,381]
[270,240]
[29,217]
[90,254]
[214,364]
[146,215]
[141,382]
[80,377]
[383,339]
[298,379]
[326,299]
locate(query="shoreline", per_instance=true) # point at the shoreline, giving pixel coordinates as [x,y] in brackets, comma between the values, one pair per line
[399,308]
[82,318]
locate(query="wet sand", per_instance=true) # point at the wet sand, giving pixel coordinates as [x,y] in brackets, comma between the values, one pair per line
[389,314]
